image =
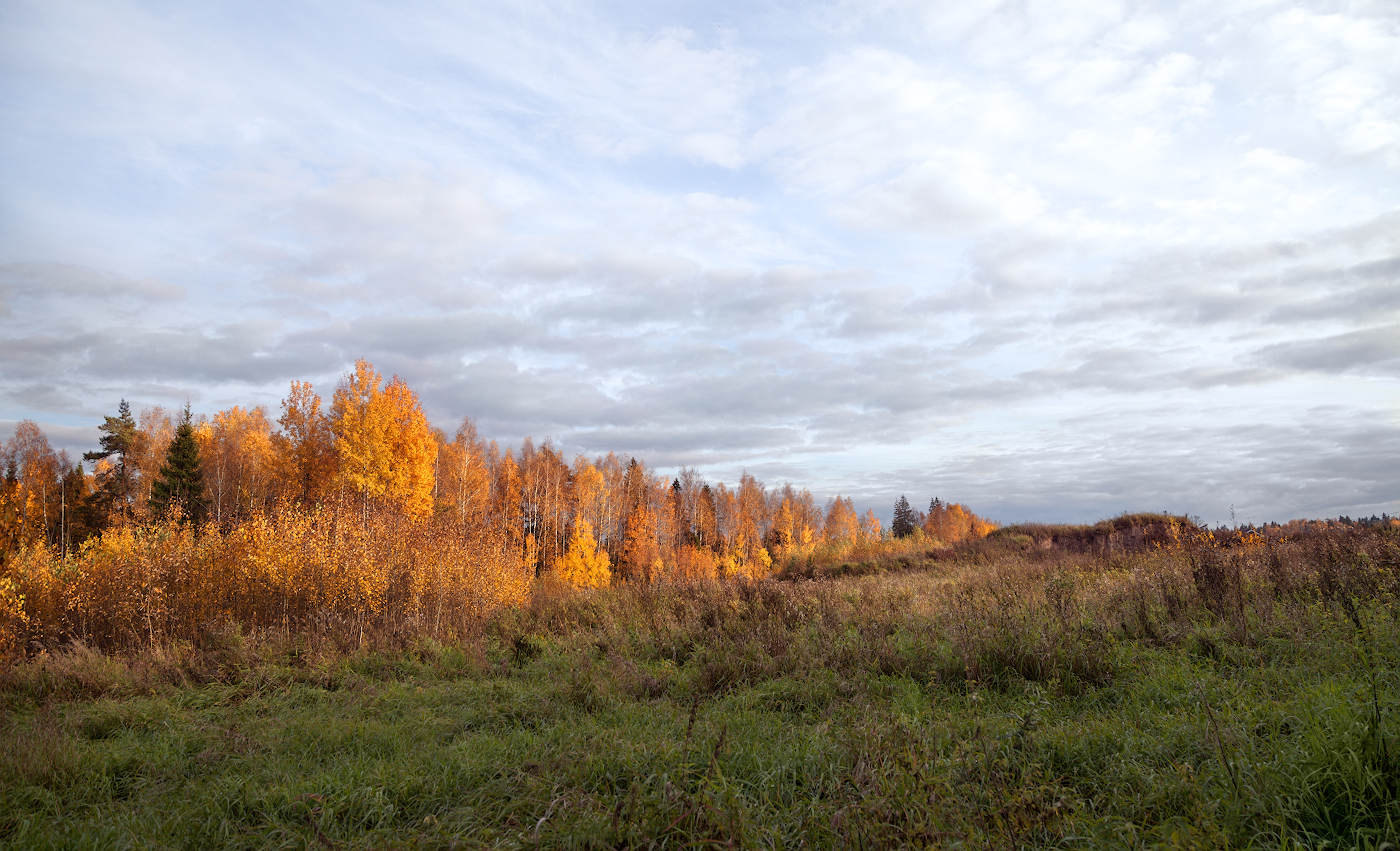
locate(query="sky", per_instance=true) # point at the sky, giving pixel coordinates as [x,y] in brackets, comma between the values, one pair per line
[1055,261]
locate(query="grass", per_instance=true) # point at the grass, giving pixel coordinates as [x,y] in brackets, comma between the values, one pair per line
[1003,696]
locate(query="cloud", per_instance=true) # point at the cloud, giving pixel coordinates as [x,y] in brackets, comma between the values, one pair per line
[1343,68]
[1273,162]
[953,191]
[1376,348]
[47,281]
[1327,462]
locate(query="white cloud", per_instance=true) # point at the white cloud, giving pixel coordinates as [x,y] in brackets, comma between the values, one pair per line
[1273,162]
[955,191]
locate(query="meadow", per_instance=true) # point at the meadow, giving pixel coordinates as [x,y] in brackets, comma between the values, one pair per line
[1117,686]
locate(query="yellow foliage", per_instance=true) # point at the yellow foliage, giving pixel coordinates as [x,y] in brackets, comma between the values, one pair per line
[13,620]
[870,528]
[584,564]
[295,570]
[842,524]
[385,444]
[746,559]
[238,461]
[696,564]
[953,522]
[412,450]
[641,555]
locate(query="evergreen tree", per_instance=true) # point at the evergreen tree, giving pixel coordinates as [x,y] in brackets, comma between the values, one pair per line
[181,482]
[904,522]
[115,484]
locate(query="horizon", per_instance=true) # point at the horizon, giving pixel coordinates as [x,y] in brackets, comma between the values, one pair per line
[884,513]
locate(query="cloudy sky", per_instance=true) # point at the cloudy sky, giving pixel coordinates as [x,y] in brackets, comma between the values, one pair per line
[1053,260]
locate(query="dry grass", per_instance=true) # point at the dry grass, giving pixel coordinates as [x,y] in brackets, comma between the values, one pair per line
[1217,693]
[350,578]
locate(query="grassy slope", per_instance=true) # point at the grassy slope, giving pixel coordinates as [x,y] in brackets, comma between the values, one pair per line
[1000,701]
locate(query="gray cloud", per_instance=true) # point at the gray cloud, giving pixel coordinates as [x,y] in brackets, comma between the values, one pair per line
[1326,463]
[1378,348]
[51,281]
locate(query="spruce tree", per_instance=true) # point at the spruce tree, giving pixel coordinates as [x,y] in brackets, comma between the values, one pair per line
[181,482]
[903,524]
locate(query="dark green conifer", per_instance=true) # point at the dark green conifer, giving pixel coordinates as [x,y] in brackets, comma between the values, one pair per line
[904,522]
[116,484]
[180,484]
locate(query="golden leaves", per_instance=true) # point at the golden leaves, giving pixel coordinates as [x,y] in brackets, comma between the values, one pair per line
[385,444]
[584,564]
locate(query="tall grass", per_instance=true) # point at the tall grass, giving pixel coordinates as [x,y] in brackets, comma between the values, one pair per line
[348,577]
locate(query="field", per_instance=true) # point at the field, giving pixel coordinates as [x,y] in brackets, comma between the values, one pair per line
[1039,688]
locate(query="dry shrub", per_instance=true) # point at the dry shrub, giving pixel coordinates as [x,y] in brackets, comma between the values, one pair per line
[351,575]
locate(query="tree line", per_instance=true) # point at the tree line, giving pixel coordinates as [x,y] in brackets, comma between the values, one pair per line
[372,449]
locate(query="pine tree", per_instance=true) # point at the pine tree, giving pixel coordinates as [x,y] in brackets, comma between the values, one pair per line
[116,480]
[903,524]
[180,484]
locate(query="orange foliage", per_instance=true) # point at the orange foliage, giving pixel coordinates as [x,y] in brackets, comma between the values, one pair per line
[953,522]
[641,555]
[30,504]
[364,519]
[385,444]
[304,450]
[238,461]
[584,564]
[295,570]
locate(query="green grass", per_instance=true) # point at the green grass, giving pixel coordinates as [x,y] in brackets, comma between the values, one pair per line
[1025,706]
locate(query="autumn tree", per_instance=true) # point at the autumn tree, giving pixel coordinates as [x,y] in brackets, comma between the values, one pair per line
[676,505]
[412,451]
[749,556]
[634,486]
[953,522]
[31,499]
[780,536]
[870,528]
[384,442]
[611,523]
[154,431]
[589,490]
[179,486]
[641,556]
[463,479]
[584,564]
[240,463]
[707,520]
[842,524]
[507,501]
[75,519]
[806,517]
[305,458]
[546,507]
